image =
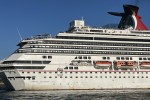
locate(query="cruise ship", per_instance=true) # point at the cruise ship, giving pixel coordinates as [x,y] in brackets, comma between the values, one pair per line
[83,57]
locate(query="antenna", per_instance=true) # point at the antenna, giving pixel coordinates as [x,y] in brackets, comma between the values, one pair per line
[82,18]
[19,33]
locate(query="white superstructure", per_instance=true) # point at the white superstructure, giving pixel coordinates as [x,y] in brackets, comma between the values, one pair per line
[82,58]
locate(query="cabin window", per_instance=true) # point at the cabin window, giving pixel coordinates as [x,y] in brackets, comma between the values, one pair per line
[70,67]
[122,58]
[66,68]
[118,58]
[144,58]
[80,57]
[44,57]
[89,57]
[75,67]
[104,58]
[84,57]
[49,57]
[140,58]
[127,58]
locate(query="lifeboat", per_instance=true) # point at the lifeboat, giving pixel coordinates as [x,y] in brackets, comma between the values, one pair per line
[126,64]
[145,65]
[102,64]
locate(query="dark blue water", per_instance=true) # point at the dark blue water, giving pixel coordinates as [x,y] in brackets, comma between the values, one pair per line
[76,95]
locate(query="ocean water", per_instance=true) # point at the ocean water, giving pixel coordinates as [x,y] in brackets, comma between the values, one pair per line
[76,95]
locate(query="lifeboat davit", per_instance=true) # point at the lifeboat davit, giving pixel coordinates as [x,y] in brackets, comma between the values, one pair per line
[102,64]
[126,64]
[145,65]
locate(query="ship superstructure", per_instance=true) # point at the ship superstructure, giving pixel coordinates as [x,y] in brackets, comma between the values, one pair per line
[83,57]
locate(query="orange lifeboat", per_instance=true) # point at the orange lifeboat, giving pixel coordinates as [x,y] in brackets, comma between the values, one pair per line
[103,64]
[126,64]
[145,64]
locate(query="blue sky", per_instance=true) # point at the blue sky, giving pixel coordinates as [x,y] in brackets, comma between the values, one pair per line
[52,16]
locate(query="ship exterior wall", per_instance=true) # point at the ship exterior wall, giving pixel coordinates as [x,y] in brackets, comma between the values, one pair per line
[80,80]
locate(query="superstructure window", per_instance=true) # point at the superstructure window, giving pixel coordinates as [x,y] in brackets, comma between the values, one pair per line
[144,58]
[49,57]
[89,57]
[84,57]
[80,57]
[140,58]
[75,67]
[70,67]
[44,57]
[104,58]
[118,58]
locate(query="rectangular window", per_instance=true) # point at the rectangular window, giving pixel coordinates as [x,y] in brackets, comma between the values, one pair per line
[49,57]
[104,58]
[140,58]
[44,57]
[75,67]
[84,57]
[118,58]
[70,67]
[80,57]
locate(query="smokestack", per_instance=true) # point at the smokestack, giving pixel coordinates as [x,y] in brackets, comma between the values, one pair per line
[130,18]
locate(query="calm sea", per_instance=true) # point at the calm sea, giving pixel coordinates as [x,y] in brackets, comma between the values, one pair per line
[76,95]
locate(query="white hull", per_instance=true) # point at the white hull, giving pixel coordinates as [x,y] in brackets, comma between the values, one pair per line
[82,80]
